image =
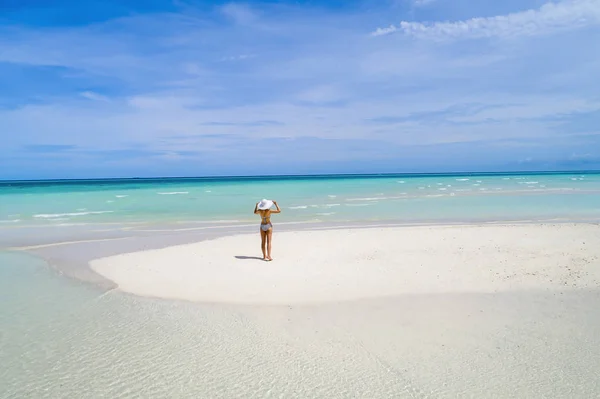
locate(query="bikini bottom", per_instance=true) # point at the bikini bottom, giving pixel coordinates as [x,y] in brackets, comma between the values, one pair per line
[266,227]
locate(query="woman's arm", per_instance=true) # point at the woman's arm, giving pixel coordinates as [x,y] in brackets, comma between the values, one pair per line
[256,208]
[278,210]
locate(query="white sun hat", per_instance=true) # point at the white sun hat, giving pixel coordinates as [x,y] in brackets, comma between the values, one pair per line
[265,204]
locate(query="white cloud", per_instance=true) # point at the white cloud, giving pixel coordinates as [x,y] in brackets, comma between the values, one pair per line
[568,14]
[239,57]
[240,13]
[90,95]
[423,3]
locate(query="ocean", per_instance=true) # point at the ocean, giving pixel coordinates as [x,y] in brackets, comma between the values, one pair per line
[410,198]
[61,337]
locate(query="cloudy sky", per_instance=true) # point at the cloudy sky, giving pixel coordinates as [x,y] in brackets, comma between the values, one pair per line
[107,88]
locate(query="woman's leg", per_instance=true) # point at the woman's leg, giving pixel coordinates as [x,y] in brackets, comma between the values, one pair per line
[263,238]
[269,239]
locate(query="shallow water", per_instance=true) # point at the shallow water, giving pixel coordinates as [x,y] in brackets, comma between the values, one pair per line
[61,338]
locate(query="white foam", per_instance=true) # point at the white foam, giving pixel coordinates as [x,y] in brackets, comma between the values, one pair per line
[121,196]
[477,184]
[332,196]
[174,193]
[298,207]
[330,205]
[506,178]
[463,179]
[366,199]
[59,215]
[10,221]
[528,182]
[442,189]
[361,204]
[326,214]
[109,202]
[208,191]
[401,181]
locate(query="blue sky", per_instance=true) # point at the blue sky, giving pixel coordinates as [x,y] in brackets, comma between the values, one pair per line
[186,88]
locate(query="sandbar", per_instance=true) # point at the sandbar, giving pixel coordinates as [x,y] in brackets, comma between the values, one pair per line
[365,263]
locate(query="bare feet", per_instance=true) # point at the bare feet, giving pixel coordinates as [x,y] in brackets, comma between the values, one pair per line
[269,258]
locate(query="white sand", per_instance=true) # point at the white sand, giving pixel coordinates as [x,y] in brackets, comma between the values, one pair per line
[339,265]
[491,311]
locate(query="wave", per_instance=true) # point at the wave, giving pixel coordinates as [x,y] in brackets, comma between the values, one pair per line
[528,182]
[10,221]
[361,204]
[326,214]
[401,181]
[332,196]
[463,179]
[298,207]
[330,205]
[121,196]
[60,215]
[367,199]
[174,193]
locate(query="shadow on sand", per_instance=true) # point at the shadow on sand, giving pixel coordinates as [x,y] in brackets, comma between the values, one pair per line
[248,257]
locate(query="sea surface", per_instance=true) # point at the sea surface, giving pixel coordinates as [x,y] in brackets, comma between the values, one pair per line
[485,197]
[61,338]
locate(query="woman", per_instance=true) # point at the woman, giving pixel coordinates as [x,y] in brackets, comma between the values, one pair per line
[263,208]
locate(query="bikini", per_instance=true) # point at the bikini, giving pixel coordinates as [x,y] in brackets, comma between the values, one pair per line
[264,226]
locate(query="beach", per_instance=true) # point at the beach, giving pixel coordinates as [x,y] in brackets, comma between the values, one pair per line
[424,305]
[352,264]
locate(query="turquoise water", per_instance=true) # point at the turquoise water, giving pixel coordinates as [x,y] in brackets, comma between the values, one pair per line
[324,198]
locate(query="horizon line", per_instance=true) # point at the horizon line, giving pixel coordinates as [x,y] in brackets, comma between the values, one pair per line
[383,174]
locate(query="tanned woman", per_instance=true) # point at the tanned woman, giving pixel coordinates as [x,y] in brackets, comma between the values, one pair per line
[263,209]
